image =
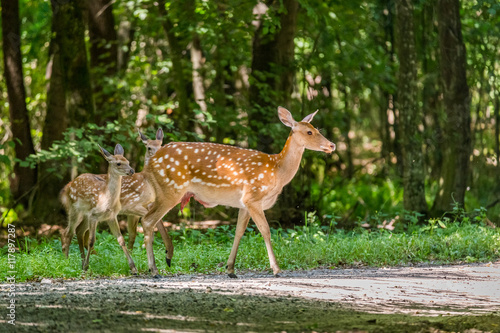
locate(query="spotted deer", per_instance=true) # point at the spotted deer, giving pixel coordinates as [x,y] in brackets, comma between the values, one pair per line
[137,195]
[90,199]
[135,198]
[216,174]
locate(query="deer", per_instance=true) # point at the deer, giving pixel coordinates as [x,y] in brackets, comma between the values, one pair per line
[90,199]
[216,174]
[135,197]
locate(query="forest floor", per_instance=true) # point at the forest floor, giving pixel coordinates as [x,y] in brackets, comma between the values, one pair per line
[458,298]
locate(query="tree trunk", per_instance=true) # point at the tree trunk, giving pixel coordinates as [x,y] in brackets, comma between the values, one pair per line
[198,86]
[69,96]
[56,120]
[182,116]
[386,20]
[457,133]
[103,56]
[272,70]
[69,100]
[69,40]
[409,114]
[23,179]
[126,32]
[430,91]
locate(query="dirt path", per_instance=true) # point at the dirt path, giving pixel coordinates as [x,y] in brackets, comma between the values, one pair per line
[419,299]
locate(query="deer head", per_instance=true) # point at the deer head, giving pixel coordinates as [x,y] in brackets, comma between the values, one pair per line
[305,134]
[118,164]
[152,146]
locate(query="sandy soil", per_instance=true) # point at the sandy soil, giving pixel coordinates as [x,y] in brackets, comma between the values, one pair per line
[463,298]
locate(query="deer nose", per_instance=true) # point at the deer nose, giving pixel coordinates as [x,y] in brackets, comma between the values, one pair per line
[131,172]
[332,145]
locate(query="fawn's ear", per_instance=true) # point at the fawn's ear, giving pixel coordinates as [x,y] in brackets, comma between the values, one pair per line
[309,117]
[159,134]
[143,137]
[104,152]
[286,117]
[119,149]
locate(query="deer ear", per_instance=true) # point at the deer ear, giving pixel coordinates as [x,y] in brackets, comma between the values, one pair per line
[143,137]
[310,117]
[104,152]
[119,149]
[159,134]
[286,117]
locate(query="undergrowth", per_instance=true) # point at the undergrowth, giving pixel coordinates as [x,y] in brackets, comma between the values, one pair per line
[312,245]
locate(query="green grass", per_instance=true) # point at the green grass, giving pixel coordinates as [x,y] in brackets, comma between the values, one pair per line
[303,247]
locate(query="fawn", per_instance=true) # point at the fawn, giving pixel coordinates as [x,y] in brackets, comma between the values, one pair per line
[216,174]
[136,195]
[90,199]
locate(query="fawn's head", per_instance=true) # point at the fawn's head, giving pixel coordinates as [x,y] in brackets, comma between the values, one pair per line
[305,133]
[117,163]
[152,146]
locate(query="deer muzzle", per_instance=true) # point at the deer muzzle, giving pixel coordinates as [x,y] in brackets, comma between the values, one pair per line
[329,148]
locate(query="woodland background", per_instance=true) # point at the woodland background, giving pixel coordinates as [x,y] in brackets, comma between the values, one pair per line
[408,90]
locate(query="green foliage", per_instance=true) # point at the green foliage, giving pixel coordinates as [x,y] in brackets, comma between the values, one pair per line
[345,66]
[304,247]
[81,143]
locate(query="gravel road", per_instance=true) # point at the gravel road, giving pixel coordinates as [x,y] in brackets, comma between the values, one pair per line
[463,298]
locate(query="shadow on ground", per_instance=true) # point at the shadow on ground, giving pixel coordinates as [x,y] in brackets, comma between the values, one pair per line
[140,305]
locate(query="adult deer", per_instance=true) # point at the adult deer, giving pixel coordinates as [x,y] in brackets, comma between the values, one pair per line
[135,198]
[216,174]
[91,199]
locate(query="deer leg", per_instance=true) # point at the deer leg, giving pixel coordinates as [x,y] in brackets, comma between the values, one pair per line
[132,222]
[258,216]
[115,229]
[169,247]
[74,220]
[149,221]
[92,230]
[241,226]
[82,235]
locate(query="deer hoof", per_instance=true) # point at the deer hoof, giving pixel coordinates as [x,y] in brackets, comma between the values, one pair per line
[232,276]
[169,261]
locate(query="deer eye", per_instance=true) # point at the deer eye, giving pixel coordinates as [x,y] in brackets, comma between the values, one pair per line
[118,164]
[149,148]
[309,132]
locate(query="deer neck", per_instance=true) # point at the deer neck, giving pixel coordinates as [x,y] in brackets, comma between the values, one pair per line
[146,161]
[289,160]
[114,185]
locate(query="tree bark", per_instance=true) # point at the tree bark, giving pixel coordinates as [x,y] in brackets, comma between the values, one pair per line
[23,179]
[457,133]
[409,114]
[272,70]
[103,56]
